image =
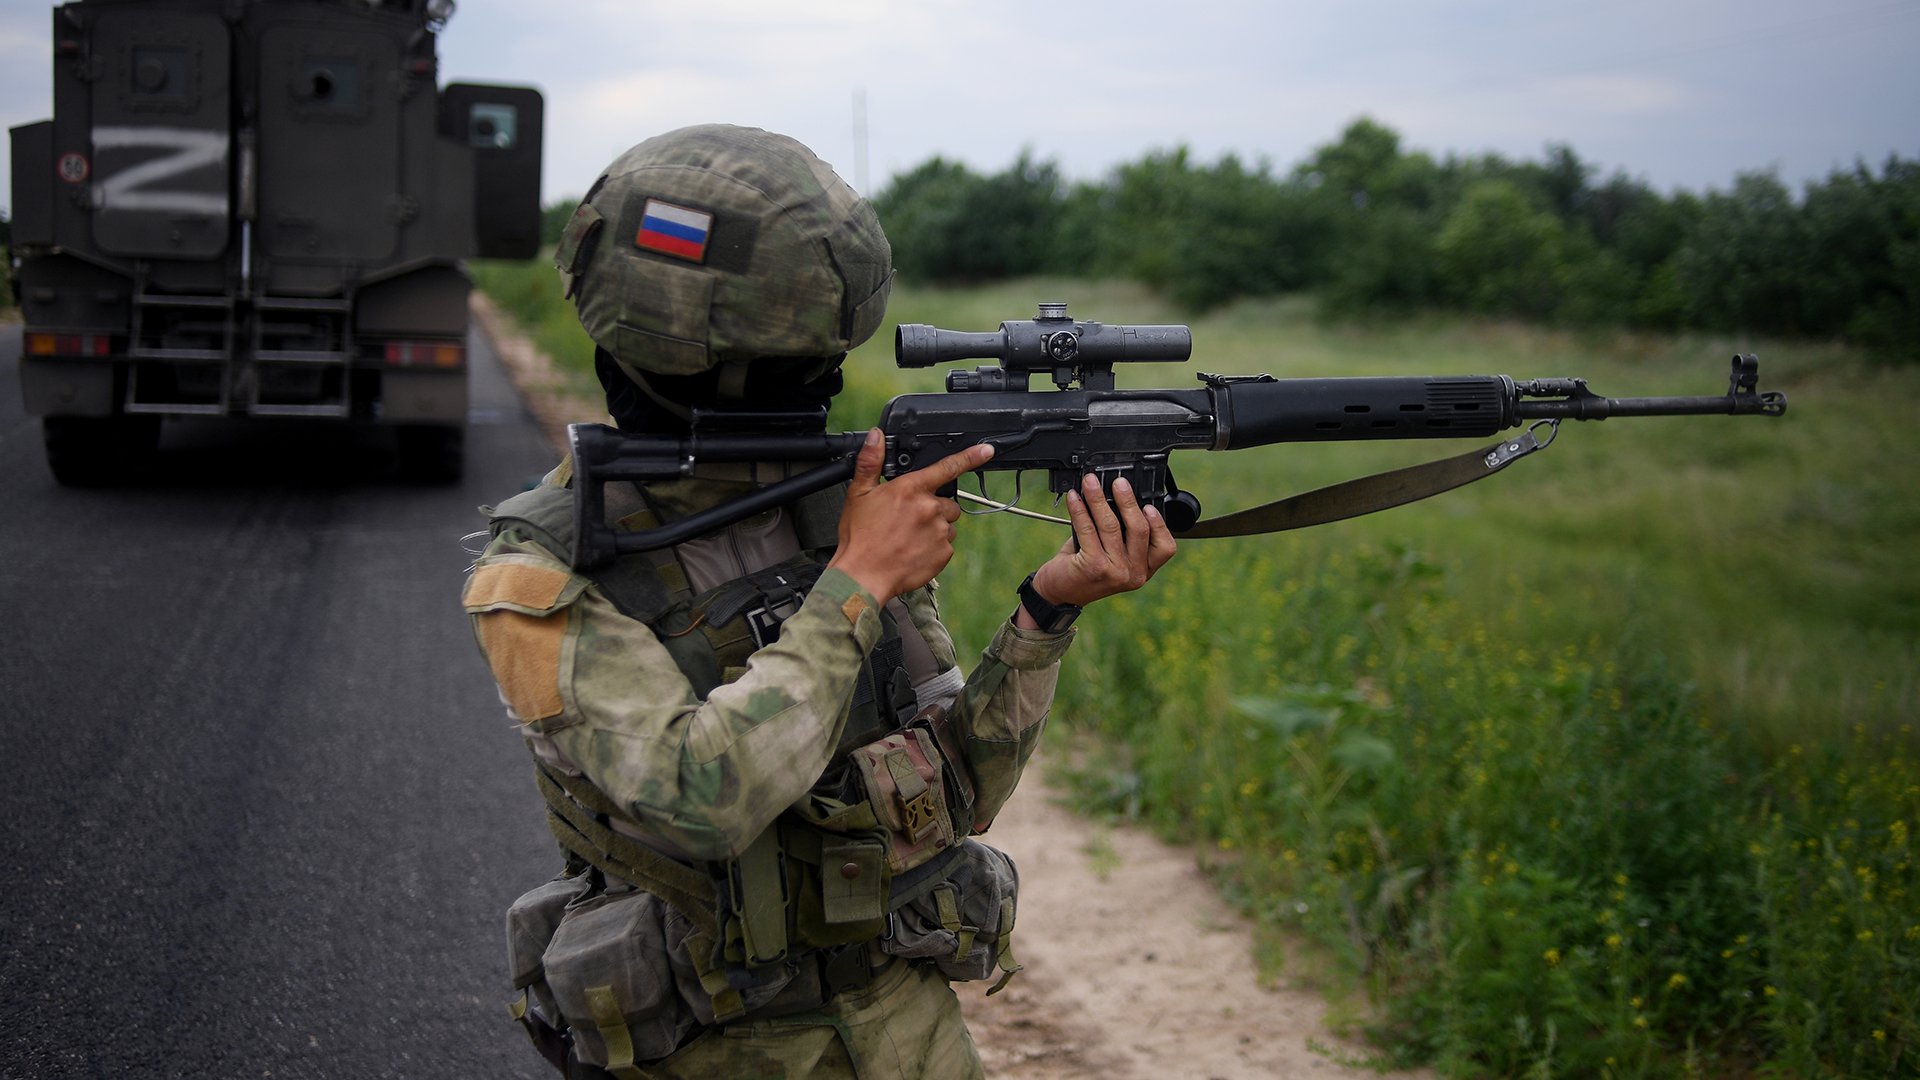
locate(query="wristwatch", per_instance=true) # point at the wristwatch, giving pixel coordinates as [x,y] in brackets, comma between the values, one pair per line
[1053,618]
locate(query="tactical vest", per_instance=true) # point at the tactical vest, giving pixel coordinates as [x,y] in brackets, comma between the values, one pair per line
[881,828]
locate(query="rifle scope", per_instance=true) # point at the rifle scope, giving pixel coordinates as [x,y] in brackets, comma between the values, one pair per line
[1049,341]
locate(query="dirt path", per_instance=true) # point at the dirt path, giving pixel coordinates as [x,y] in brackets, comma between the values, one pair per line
[1135,968]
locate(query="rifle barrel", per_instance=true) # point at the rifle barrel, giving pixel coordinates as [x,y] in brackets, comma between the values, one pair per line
[1593,407]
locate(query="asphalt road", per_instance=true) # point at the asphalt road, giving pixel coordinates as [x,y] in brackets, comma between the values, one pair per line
[262,812]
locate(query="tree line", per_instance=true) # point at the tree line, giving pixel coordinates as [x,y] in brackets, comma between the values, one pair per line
[1370,227]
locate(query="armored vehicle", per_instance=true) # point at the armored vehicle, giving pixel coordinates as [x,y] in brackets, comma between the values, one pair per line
[259,208]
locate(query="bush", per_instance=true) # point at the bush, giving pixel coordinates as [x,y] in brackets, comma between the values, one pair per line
[1499,254]
[949,224]
[1368,226]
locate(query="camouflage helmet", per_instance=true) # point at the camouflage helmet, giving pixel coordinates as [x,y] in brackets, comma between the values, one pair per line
[714,246]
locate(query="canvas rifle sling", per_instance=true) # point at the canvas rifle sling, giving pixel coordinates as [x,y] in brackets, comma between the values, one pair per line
[1369,494]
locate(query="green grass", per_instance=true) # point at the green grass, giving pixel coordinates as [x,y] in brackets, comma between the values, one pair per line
[1604,766]
[529,292]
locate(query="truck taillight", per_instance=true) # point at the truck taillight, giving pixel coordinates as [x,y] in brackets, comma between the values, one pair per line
[41,343]
[442,354]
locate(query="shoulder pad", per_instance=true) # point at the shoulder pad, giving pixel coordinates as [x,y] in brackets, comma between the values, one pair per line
[546,511]
[546,515]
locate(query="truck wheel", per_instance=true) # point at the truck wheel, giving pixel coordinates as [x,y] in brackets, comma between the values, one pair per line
[431,454]
[88,451]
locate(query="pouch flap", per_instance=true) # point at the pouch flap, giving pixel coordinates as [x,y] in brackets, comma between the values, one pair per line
[576,243]
[853,877]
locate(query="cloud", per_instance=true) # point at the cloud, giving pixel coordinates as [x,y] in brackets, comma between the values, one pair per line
[1618,93]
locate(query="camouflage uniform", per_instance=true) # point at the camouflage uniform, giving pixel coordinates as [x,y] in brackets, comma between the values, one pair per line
[700,775]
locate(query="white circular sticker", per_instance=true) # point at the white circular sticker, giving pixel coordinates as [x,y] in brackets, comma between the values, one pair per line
[73,167]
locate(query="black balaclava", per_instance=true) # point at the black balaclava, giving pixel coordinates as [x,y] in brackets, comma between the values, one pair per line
[771,384]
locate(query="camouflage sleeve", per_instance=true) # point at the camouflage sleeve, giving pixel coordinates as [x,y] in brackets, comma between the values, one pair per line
[708,775]
[1001,711]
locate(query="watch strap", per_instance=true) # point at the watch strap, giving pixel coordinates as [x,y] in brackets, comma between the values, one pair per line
[1053,618]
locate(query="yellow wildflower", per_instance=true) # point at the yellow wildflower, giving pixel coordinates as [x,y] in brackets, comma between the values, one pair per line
[1552,957]
[1676,981]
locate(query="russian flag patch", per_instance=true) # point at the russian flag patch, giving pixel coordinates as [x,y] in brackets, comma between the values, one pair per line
[674,230]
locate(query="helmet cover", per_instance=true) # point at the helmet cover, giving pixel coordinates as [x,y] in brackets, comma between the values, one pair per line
[718,245]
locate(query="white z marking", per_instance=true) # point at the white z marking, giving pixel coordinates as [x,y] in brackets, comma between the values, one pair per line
[193,148]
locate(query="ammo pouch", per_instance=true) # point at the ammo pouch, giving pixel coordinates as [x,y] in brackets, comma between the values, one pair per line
[606,975]
[904,779]
[531,923]
[964,923]
[610,975]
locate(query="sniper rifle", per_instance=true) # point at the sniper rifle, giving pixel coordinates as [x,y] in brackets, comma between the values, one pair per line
[1084,424]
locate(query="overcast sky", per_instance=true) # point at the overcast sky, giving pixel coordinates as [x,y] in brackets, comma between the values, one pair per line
[1681,93]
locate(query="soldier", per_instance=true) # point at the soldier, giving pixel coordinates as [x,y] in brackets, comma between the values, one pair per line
[760,757]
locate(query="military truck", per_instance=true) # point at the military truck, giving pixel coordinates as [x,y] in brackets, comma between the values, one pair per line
[259,208]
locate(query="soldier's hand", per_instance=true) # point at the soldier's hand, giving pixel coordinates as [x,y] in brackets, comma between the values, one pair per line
[896,536]
[1115,548]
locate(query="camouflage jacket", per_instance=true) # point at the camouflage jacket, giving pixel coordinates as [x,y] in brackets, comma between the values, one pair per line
[596,691]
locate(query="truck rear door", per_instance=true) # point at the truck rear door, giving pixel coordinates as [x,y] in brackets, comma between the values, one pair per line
[329,144]
[159,177]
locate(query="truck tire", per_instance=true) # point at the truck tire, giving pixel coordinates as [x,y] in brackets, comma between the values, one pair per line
[431,453]
[89,451]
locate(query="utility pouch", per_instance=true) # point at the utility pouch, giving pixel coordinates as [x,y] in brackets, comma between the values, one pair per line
[718,993]
[612,983]
[964,924]
[904,781]
[531,923]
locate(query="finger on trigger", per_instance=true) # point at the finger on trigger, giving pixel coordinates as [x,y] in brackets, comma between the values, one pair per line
[952,467]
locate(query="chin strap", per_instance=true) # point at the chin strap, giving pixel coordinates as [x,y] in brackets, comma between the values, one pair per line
[640,379]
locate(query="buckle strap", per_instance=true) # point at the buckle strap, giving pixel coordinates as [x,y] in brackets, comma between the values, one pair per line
[612,1026]
[757,889]
[571,806]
